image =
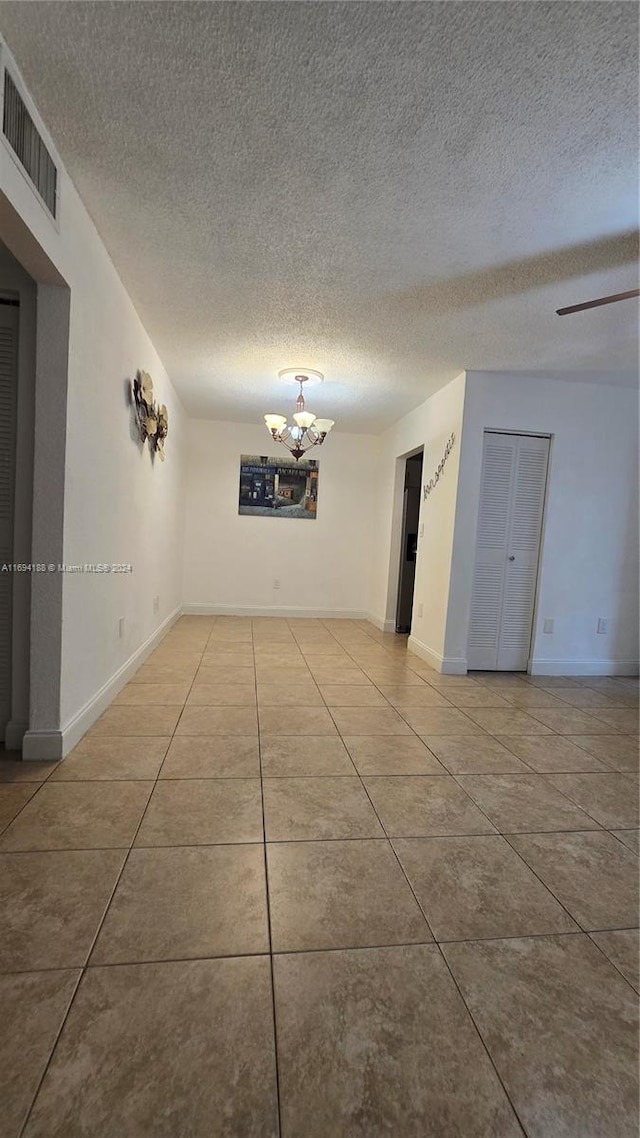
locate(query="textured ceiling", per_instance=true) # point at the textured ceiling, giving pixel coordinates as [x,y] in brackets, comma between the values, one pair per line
[388,192]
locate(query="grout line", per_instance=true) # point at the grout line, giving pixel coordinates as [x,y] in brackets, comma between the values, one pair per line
[269,922]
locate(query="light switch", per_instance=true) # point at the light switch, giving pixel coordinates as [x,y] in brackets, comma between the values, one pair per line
[547,626]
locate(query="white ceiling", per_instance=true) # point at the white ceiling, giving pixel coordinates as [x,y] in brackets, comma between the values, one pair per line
[388,192]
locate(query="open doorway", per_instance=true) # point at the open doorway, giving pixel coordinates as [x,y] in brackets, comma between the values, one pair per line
[409,541]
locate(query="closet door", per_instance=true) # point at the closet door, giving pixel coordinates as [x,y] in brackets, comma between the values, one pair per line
[514,474]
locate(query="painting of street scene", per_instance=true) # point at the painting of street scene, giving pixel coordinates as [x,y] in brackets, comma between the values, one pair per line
[278,487]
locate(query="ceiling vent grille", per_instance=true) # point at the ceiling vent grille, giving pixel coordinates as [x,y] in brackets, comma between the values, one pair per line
[22,135]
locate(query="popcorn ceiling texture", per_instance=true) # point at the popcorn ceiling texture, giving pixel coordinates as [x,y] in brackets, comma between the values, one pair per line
[388,192]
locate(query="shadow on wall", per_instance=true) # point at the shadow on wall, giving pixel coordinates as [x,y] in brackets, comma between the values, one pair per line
[521,276]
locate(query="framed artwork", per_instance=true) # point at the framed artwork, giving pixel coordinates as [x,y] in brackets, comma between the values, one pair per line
[278,487]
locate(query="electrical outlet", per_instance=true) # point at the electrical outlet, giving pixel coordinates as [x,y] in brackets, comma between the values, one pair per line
[421,529]
[602,627]
[276,582]
[156,604]
[420,609]
[121,628]
[547,625]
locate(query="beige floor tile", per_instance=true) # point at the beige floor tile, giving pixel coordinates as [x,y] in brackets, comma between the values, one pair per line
[186,902]
[440,721]
[165,674]
[552,683]
[222,695]
[301,721]
[416,806]
[147,720]
[592,874]
[192,811]
[477,697]
[153,1050]
[551,753]
[223,674]
[283,756]
[369,721]
[340,895]
[15,769]
[292,694]
[415,695]
[352,695]
[622,719]
[620,752]
[629,838]
[336,674]
[143,695]
[79,815]
[510,721]
[228,658]
[378,1041]
[113,757]
[215,756]
[441,682]
[587,699]
[567,722]
[218,721]
[393,676]
[559,1023]
[51,905]
[524,802]
[13,797]
[34,1005]
[611,798]
[473,754]
[478,887]
[622,947]
[527,696]
[391,754]
[313,809]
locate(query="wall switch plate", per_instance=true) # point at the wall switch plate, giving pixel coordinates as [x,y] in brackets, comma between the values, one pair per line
[420,610]
[602,627]
[156,604]
[276,582]
[547,625]
[121,628]
[421,529]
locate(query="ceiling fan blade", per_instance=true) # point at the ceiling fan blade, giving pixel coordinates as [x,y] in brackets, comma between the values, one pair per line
[597,303]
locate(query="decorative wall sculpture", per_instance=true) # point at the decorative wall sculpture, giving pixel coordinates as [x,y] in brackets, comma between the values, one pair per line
[152,420]
[433,482]
[278,487]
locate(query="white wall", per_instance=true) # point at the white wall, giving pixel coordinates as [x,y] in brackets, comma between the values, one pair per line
[231,561]
[118,505]
[429,426]
[589,561]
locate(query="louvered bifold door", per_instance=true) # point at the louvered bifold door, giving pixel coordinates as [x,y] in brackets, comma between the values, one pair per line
[514,472]
[8,365]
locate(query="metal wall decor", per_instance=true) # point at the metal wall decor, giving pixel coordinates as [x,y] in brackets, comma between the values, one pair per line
[430,485]
[152,420]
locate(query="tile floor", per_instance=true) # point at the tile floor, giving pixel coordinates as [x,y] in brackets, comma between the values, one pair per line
[296,882]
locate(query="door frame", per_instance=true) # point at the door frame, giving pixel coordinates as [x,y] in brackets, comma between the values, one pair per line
[393,572]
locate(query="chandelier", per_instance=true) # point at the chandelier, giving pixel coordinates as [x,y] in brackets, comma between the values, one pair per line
[307,431]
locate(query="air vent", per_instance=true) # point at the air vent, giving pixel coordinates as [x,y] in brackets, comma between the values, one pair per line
[22,135]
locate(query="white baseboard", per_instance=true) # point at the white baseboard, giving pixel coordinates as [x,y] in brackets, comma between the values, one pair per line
[448,665]
[57,744]
[378,622]
[273,610]
[592,667]
[14,733]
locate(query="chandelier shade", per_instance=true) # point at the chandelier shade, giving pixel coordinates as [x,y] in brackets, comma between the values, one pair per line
[306,432]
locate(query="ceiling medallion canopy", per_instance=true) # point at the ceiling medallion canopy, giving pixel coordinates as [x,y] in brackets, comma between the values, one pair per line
[307,431]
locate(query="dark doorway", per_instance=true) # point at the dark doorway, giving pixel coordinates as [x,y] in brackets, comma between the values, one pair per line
[409,541]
